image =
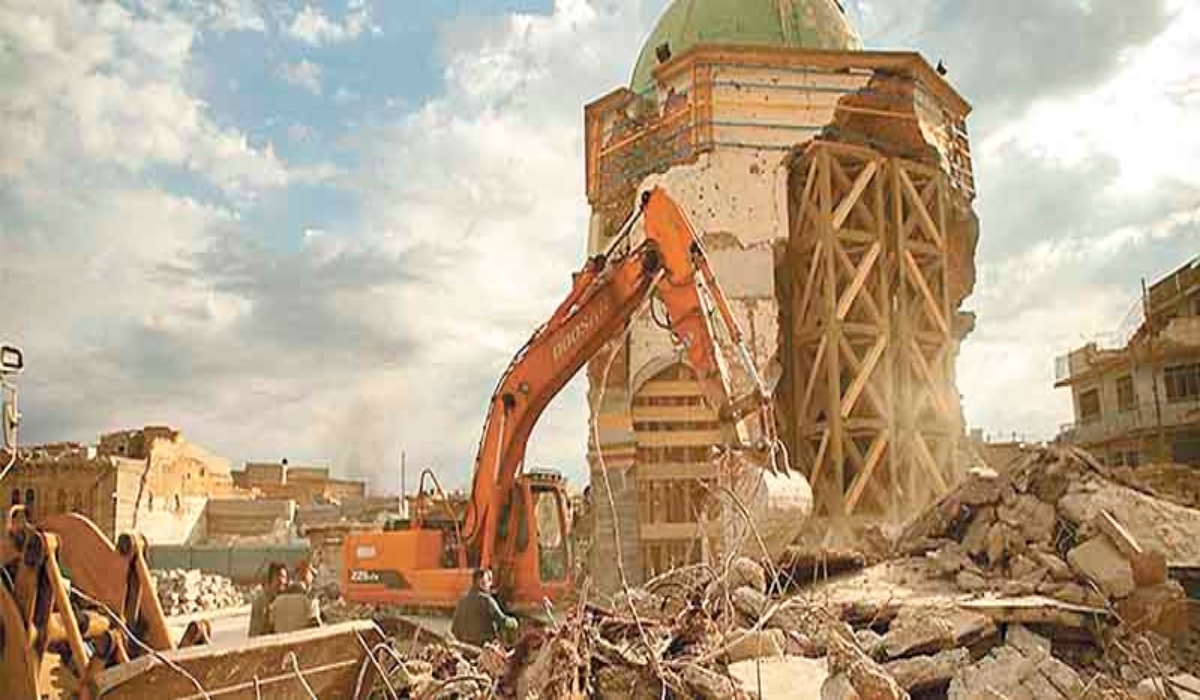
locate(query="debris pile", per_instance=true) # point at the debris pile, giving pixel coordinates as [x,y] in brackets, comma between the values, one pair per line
[1056,526]
[187,591]
[1049,580]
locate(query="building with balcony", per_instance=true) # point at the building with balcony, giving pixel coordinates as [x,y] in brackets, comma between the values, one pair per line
[1140,403]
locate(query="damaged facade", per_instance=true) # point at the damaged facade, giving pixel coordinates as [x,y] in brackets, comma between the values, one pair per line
[832,188]
[150,480]
[1140,403]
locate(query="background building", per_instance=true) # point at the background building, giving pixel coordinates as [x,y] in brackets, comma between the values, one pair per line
[150,480]
[1140,403]
[832,187]
[303,484]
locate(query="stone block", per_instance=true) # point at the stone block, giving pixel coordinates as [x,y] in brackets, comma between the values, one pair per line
[1101,563]
[755,645]
[925,673]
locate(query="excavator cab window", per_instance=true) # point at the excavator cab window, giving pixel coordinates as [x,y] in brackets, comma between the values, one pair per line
[551,535]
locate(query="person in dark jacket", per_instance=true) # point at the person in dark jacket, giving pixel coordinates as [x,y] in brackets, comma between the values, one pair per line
[478,618]
[275,583]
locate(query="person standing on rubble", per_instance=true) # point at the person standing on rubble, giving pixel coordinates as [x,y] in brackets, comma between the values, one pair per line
[275,583]
[478,618]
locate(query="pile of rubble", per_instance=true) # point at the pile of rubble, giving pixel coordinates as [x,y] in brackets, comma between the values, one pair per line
[1057,526]
[1049,580]
[187,591]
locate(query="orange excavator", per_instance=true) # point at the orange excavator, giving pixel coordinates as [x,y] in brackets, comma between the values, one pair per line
[516,521]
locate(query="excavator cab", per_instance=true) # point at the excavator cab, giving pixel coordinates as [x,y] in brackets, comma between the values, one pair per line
[534,555]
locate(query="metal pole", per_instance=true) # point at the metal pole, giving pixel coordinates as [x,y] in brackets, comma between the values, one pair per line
[403,493]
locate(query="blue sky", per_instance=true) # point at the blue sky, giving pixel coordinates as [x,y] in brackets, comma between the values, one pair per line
[319,230]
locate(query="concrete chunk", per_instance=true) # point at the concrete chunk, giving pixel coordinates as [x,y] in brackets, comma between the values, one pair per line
[1101,562]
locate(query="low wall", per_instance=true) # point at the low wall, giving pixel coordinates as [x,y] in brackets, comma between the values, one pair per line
[245,565]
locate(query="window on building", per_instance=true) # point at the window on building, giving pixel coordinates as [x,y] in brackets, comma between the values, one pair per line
[77,502]
[30,502]
[1089,406]
[16,497]
[60,505]
[1196,306]
[1125,397]
[1183,383]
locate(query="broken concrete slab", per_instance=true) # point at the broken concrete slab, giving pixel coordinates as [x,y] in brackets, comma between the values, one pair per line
[787,677]
[924,673]
[1155,524]
[1104,565]
[755,644]
[1038,610]
[916,632]
[853,675]
[1022,668]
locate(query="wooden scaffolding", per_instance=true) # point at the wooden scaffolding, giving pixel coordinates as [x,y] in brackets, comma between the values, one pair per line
[871,404]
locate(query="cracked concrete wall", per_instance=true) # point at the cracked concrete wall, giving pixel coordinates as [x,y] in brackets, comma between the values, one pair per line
[736,201]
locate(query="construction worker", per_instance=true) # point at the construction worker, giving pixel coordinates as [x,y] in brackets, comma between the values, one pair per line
[297,607]
[478,618]
[275,583]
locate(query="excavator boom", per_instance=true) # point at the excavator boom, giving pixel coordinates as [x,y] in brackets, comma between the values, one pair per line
[423,567]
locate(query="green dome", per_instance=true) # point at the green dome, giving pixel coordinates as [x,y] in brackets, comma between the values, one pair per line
[797,24]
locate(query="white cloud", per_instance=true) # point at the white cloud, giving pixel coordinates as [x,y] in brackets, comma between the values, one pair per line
[221,16]
[90,84]
[1081,198]
[312,26]
[305,75]
[1142,117]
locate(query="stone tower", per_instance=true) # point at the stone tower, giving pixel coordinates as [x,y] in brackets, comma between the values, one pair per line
[833,189]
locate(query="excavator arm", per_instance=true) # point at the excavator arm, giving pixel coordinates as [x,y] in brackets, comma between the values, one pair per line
[604,297]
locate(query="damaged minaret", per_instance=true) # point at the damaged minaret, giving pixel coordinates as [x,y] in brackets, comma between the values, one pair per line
[833,189]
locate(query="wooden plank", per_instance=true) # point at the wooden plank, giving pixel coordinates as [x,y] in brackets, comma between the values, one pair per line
[868,303]
[932,383]
[925,458]
[851,199]
[685,414]
[832,356]
[860,278]
[931,303]
[819,462]
[678,438]
[1037,610]
[864,375]
[918,206]
[809,282]
[874,457]
[669,388]
[811,385]
[1124,541]
[856,367]
[677,471]
[855,235]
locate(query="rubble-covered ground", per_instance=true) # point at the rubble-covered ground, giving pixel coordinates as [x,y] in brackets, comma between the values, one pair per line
[183,592]
[1054,579]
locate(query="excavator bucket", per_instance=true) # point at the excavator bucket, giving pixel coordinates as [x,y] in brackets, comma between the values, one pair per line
[764,508]
[332,663]
[102,634]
